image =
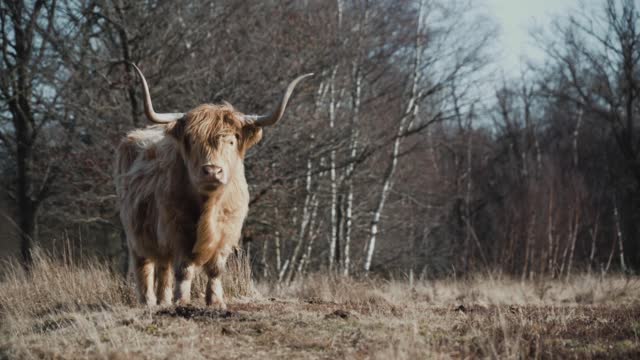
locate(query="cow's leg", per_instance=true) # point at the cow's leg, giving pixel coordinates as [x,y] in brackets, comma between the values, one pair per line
[164,290]
[184,276]
[144,275]
[214,268]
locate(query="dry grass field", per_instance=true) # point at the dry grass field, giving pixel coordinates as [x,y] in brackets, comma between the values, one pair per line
[61,310]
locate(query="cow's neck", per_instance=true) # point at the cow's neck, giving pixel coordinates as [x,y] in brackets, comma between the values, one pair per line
[228,205]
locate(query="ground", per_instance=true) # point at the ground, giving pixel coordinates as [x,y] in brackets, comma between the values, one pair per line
[72,311]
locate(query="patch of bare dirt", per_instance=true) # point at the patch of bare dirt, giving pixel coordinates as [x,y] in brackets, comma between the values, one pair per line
[196,313]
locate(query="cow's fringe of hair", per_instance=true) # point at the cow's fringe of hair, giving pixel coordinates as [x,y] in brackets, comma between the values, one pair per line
[208,119]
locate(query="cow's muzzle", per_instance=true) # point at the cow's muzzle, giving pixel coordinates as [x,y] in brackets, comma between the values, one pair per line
[214,174]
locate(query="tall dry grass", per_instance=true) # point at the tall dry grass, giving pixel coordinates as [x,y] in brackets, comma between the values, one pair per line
[54,285]
[237,281]
[58,283]
[480,289]
[83,309]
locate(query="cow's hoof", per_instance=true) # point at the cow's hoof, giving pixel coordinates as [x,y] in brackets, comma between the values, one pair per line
[183,302]
[217,305]
[150,302]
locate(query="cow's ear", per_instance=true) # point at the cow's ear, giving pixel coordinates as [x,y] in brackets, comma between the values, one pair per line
[176,129]
[251,135]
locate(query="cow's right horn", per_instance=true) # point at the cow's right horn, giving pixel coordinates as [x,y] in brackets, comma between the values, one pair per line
[154,117]
[267,120]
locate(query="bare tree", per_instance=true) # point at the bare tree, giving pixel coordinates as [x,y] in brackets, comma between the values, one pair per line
[595,68]
[30,107]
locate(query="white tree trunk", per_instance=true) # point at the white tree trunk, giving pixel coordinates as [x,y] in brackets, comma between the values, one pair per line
[311,235]
[594,237]
[574,238]
[381,202]
[356,75]
[283,271]
[265,264]
[467,196]
[551,265]
[306,217]
[353,153]
[576,136]
[347,233]
[333,240]
[278,257]
[405,123]
[616,215]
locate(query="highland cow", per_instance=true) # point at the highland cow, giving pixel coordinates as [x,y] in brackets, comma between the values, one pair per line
[183,194]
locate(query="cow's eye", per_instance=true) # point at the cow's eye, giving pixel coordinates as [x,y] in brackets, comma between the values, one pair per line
[234,140]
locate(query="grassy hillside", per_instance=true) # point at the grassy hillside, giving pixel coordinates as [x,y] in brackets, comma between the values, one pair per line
[65,310]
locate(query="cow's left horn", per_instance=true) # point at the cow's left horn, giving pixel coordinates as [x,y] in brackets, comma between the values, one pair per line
[148,106]
[267,120]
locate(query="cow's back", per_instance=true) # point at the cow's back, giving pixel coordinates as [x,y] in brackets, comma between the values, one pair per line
[137,155]
[138,174]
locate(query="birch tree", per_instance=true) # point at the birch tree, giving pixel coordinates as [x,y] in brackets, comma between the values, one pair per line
[595,68]
[356,96]
[404,123]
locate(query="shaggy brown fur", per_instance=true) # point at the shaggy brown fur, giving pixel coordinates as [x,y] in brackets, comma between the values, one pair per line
[174,216]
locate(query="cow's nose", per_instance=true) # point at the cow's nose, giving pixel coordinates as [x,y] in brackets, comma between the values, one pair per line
[212,171]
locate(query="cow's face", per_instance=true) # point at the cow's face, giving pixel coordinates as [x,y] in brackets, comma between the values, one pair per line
[213,140]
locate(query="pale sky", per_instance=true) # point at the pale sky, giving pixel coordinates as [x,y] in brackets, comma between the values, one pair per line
[516,18]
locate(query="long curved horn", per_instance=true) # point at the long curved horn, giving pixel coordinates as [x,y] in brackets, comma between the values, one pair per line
[267,120]
[154,117]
